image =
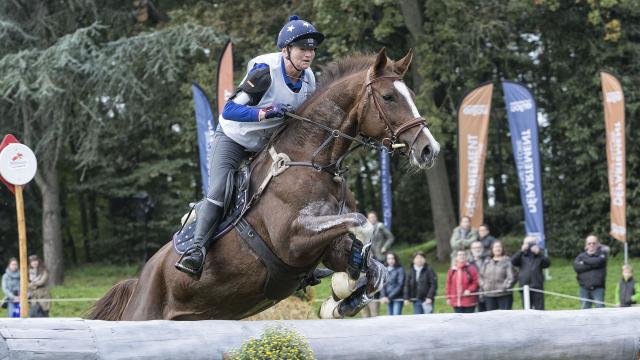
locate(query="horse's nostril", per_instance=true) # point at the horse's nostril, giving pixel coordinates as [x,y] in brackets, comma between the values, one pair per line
[426,153]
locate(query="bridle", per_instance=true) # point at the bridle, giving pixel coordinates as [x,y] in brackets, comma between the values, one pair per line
[392,132]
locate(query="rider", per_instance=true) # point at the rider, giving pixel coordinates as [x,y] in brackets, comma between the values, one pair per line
[275,83]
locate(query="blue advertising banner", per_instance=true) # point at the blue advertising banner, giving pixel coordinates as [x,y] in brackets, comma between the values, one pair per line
[204,123]
[385,183]
[523,124]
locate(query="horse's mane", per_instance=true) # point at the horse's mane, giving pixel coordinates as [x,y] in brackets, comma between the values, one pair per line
[337,70]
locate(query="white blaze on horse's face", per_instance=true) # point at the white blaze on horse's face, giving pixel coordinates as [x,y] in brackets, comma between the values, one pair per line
[426,148]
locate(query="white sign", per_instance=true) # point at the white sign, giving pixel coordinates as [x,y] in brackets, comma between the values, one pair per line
[18,164]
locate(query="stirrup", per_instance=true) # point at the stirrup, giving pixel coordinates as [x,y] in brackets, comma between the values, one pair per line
[197,272]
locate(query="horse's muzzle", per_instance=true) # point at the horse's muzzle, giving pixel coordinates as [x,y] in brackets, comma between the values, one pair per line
[425,150]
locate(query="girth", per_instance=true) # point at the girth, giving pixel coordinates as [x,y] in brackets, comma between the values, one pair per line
[282,279]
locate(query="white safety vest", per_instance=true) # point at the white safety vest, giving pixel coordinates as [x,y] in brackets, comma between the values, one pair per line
[254,135]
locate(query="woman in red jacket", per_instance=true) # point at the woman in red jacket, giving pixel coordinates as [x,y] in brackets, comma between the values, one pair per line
[462,280]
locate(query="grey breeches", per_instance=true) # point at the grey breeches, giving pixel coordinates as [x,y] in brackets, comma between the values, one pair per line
[226,155]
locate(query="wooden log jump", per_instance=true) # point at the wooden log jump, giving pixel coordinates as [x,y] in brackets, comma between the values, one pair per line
[572,334]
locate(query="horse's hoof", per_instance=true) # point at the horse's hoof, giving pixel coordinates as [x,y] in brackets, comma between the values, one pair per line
[329,309]
[342,285]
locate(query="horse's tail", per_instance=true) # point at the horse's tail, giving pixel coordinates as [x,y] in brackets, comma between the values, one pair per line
[112,304]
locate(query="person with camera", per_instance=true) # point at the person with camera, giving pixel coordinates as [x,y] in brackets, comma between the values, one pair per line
[531,260]
[591,269]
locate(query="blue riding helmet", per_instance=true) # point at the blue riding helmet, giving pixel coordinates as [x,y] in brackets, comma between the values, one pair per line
[300,33]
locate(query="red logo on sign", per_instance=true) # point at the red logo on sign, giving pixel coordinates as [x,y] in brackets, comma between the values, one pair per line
[18,156]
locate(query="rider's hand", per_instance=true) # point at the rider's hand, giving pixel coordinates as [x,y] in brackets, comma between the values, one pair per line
[384,300]
[407,302]
[429,301]
[467,292]
[277,110]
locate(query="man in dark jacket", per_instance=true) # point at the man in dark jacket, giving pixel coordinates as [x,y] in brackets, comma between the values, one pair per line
[421,285]
[485,237]
[530,260]
[591,267]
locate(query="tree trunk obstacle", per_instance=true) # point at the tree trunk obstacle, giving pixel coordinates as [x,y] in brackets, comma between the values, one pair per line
[571,334]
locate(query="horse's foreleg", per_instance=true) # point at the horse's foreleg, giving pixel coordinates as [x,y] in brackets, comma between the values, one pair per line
[316,231]
[360,292]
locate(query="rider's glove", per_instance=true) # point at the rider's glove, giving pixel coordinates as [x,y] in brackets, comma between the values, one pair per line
[277,110]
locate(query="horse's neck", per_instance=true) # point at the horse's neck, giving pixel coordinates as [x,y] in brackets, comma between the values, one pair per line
[332,108]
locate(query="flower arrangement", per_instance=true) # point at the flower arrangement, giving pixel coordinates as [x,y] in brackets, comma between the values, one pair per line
[276,342]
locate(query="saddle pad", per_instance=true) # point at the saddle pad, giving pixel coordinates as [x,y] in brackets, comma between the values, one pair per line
[183,239]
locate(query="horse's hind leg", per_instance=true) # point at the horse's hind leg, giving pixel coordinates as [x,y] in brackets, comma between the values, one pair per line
[148,298]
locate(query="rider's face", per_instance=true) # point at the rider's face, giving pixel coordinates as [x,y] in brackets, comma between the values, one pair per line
[300,57]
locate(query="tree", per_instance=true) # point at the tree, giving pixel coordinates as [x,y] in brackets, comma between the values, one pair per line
[75,79]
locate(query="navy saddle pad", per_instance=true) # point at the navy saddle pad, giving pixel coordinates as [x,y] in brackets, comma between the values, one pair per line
[237,197]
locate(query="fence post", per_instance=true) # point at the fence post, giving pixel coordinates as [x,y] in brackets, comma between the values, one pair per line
[526,297]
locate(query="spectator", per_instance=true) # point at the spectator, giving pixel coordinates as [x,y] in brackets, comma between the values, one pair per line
[485,237]
[627,290]
[11,287]
[477,259]
[591,269]
[462,237]
[392,291]
[382,238]
[462,281]
[496,277]
[38,288]
[381,241]
[421,285]
[531,261]
[477,255]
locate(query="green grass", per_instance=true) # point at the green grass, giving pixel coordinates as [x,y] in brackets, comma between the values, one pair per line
[92,281]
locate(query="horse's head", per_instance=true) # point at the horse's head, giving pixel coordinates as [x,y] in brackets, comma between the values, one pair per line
[389,114]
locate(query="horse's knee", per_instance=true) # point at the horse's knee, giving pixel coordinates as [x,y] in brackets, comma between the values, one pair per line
[363,232]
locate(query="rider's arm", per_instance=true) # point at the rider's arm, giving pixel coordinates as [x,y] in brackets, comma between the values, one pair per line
[249,93]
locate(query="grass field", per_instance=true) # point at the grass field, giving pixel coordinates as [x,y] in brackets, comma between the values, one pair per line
[92,281]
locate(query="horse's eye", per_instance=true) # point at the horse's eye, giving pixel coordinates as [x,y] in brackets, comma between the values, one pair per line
[387,97]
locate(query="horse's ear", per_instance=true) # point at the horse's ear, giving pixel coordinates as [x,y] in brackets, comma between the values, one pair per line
[381,62]
[401,66]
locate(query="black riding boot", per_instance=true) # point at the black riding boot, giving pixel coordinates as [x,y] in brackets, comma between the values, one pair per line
[207,219]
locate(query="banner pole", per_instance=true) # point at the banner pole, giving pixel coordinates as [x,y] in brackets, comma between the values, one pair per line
[22,243]
[626,253]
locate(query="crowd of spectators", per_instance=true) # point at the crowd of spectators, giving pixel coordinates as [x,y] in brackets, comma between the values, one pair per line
[38,288]
[482,276]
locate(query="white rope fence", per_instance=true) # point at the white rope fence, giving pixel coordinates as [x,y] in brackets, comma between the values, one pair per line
[526,294]
[526,289]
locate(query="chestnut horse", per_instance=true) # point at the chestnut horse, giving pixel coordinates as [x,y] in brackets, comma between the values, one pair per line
[299,215]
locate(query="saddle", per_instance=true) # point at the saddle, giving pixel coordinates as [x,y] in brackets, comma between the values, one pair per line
[236,201]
